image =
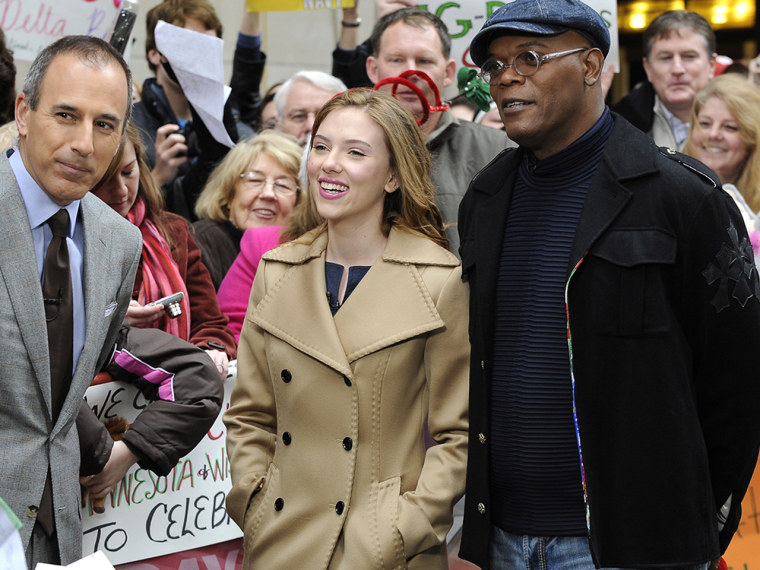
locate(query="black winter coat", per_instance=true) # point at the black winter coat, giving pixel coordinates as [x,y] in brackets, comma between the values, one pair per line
[664,323]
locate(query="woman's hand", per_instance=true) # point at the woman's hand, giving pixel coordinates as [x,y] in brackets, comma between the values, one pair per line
[142,316]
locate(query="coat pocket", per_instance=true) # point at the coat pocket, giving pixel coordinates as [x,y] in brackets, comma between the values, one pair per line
[629,273]
[245,498]
[391,542]
[254,512]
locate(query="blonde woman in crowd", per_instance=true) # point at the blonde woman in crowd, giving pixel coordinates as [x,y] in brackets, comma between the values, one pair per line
[724,134]
[231,203]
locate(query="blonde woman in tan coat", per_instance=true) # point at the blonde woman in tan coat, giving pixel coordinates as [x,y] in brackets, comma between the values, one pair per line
[355,338]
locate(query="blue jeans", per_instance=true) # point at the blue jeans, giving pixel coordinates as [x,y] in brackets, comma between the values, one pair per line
[514,552]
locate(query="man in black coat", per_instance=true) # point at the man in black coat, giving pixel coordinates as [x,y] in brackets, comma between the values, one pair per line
[614,320]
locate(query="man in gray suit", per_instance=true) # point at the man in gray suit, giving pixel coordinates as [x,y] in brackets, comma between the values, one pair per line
[71,117]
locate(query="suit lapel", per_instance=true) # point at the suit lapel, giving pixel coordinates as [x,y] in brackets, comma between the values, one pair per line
[19,267]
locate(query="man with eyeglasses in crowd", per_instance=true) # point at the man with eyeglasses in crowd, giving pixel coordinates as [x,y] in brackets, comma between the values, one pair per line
[299,99]
[614,320]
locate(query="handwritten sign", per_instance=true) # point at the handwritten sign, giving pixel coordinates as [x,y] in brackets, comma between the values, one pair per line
[150,516]
[30,25]
[296,5]
[744,550]
[465,18]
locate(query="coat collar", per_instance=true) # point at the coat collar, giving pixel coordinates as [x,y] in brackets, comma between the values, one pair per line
[403,247]
[390,305]
[629,154]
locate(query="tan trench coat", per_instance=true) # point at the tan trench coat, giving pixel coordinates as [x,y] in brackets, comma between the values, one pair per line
[325,428]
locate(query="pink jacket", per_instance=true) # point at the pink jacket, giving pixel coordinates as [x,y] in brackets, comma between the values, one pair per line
[235,289]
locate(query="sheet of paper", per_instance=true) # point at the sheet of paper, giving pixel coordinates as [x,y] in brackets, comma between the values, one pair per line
[11,548]
[95,561]
[197,61]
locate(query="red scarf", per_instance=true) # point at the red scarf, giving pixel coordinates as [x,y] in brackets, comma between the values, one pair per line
[160,274]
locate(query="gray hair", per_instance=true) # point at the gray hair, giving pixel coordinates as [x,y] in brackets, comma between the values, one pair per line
[319,79]
[89,50]
[673,22]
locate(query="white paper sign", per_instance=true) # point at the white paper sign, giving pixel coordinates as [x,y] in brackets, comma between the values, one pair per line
[152,516]
[30,25]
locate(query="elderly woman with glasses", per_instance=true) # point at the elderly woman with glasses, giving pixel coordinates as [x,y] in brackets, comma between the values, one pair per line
[256,185]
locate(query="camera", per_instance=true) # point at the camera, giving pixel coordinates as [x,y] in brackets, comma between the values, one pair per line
[171,304]
[191,139]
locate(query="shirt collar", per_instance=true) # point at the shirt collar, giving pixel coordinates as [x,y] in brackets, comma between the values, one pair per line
[679,128]
[443,123]
[39,206]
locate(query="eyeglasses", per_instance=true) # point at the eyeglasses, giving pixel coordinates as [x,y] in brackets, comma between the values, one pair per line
[299,117]
[281,187]
[525,63]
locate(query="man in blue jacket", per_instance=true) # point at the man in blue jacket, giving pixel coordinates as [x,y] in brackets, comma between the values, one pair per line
[614,322]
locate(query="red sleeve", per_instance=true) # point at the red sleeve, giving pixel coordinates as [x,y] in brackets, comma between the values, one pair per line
[208,325]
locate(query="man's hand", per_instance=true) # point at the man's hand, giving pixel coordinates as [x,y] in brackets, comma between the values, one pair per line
[105,482]
[142,316]
[171,153]
[221,360]
[387,6]
[351,14]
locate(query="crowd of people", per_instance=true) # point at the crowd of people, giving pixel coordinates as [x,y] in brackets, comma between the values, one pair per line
[541,302]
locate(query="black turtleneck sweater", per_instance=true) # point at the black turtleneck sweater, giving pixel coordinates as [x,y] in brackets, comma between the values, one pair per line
[535,474]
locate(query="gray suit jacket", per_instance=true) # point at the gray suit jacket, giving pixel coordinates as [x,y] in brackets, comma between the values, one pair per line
[29,442]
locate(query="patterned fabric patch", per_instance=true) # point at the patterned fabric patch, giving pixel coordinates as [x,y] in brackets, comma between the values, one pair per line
[735,272]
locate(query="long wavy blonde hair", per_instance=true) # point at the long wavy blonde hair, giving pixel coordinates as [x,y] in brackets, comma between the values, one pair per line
[214,202]
[743,101]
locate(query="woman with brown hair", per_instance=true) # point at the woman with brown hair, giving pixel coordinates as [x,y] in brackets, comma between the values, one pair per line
[171,261]
[355,341]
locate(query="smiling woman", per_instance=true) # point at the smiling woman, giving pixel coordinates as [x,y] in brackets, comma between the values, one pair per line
[256,185]
[725,135]
[326,472]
